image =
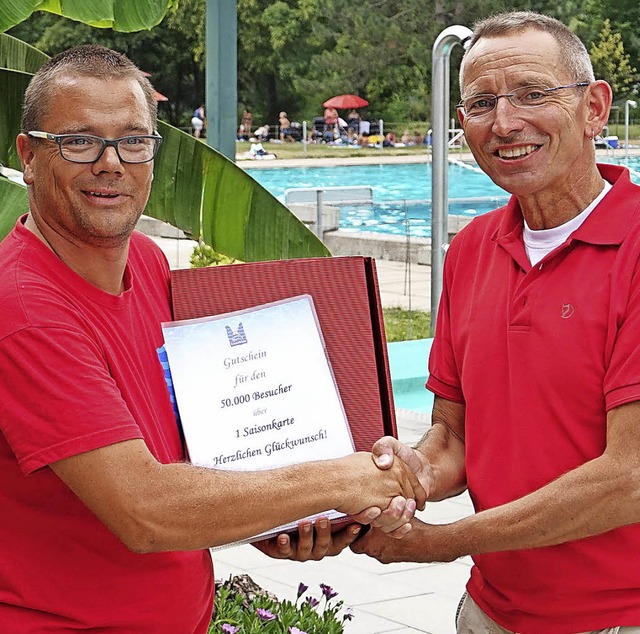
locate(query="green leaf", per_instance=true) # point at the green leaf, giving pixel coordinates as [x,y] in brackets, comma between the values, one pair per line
[19,55]
[12,86]
[121,15]
[239,217]
[13,12]
[13,203]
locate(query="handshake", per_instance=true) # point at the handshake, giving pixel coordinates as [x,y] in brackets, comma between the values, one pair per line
[382,489]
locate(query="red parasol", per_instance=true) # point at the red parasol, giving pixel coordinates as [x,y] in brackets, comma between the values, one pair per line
[343,102]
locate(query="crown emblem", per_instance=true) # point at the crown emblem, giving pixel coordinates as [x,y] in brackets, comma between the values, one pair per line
[236,337]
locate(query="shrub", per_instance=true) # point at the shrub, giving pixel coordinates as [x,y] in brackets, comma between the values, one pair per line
[205,255]
[242,607]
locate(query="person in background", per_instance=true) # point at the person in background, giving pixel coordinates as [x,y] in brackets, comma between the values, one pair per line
[261,133]
[363,139]
[285,127]
[198,122]
[96,489]
[246,122]
[535,363]
[330,116]
[331,131]
[353,120]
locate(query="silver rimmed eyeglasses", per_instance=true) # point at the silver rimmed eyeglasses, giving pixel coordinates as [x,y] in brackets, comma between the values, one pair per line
[86,148]
[524,97]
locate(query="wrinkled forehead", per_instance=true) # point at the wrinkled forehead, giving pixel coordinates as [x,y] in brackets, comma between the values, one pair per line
[529,56]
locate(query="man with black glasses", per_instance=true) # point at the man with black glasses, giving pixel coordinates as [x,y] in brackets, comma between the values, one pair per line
[104,527]
[536,359]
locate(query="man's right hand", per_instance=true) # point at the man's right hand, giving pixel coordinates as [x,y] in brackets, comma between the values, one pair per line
[384,454]
[391,486]
[386,449]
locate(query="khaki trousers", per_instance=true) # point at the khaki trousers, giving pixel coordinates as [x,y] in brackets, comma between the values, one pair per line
[472,620]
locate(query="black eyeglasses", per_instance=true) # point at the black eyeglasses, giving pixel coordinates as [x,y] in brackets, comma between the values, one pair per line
[524,97]
[86,148]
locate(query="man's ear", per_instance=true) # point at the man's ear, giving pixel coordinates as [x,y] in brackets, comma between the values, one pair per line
[460,116]
[599,99]
[25,152]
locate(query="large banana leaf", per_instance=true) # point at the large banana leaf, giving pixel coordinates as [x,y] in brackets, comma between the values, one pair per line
[195,188]
[19,55]
[121,15]
[205,194]
[13,203]
[12,87]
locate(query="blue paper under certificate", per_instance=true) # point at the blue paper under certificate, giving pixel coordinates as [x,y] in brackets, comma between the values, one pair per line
[255,389]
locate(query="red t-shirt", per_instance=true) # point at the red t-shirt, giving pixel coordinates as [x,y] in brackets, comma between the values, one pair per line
[539,355]
[80,371]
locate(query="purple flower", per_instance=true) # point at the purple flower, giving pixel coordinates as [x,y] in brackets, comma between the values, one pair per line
[328,591]
[302,589]
[229,629]
[313,602]
[265,615]
[295,630]
[348,614]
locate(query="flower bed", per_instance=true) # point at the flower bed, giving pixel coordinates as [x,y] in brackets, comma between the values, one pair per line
[243,607]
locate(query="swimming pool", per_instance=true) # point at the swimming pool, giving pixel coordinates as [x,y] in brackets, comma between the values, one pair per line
[401,192]
[408,367]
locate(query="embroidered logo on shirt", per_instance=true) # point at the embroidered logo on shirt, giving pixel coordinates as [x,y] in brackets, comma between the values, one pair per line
[567,311]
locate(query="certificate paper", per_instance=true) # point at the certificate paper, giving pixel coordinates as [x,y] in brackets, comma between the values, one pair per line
[255,389]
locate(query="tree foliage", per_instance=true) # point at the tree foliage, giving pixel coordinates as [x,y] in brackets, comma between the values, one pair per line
[294,54]
[610,62]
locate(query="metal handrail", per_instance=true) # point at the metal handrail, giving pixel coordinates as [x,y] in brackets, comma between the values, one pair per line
[442,47]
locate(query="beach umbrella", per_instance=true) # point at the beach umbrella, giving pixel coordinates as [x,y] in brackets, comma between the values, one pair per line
[345,101]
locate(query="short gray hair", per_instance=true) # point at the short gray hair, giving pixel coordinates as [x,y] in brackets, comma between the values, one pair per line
[88,60]
[572,50]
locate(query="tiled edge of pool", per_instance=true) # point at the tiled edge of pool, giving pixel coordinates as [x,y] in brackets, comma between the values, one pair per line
[408,365]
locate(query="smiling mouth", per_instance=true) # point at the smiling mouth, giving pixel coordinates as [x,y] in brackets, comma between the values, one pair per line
[517,152]
[101,194]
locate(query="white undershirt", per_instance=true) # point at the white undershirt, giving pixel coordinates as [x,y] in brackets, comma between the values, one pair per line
[539,242]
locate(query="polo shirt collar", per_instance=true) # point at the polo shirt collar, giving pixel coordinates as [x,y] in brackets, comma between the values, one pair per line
[608,223]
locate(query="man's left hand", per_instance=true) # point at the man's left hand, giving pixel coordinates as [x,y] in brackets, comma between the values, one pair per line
[310,544]
[425,543]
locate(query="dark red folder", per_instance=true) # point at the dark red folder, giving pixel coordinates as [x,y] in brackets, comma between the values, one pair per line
[347,301]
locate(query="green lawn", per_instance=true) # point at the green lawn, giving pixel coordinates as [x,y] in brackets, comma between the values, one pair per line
[403,325]
[319,150]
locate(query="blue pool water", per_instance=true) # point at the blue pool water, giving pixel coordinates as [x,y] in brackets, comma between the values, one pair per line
[408,366]
[401,193]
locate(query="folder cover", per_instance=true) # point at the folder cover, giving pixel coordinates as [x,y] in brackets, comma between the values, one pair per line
[347,301]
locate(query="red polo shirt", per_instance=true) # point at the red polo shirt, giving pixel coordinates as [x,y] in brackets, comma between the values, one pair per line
[539,355]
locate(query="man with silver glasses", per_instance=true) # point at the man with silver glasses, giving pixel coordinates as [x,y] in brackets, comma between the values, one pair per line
[104,526]
[535,364]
